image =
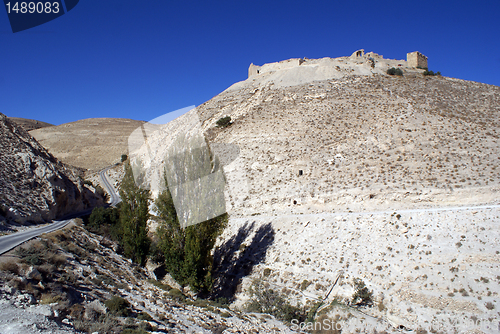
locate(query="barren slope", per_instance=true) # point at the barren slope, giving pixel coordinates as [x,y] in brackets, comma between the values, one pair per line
[362,142]
[92,143]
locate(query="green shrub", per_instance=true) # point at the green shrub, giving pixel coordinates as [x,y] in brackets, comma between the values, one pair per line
[395,71]
[176,294]
[224,122]
[106,222]
[160,285]
[124,157]
[431,73]
[144,316]
[362,296]
[118,306]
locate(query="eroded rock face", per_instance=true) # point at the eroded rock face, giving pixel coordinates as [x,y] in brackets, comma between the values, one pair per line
[35,186]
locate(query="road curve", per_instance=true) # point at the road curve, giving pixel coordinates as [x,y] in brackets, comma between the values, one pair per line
[114,198]
[8,242]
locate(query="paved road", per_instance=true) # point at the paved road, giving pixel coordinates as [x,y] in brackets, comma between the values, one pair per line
[7,242]
[114,197]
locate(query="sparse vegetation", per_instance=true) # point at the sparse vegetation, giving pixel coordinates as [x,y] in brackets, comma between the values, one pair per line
[264,299]
[395,71]
[431,73]
[362,296]
[11,267]
[118,306]
[224,122]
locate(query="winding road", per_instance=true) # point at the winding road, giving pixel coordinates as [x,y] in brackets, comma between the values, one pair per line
[8,242]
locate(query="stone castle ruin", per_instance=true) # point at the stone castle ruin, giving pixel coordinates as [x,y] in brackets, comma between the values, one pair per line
[414,60]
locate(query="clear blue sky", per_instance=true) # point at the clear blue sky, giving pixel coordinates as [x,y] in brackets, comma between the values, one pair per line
[141,59]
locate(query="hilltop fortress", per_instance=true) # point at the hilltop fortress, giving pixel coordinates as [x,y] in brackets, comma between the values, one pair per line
[413,60]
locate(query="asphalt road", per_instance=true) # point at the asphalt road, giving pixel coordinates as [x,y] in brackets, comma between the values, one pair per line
[114,197]
[8,242]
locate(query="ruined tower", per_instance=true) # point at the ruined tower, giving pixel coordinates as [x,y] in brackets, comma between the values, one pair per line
[416,59]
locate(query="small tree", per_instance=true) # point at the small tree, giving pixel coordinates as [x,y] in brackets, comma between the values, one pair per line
[134,215]
[124,157]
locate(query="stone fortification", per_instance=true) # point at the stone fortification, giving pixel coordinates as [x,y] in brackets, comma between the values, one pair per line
[333,67]
[416,59]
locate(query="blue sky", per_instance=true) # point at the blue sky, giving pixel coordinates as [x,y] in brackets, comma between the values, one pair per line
[141,59]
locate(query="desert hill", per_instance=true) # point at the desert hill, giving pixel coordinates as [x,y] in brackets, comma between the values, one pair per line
[335,169]
[29,124]
[360,140]
[89,143]
[35,186]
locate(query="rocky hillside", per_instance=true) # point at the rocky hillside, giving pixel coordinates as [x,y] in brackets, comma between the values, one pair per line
[335,169]
[89,143]
[72,280]
[35,186]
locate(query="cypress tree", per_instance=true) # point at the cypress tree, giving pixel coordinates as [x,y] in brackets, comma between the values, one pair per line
[134,215]
[187,251]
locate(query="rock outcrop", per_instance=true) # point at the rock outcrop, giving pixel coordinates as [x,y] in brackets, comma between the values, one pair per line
[35,186]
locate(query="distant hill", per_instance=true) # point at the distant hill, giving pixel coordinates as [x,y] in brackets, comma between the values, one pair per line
[91,143]
[29,124]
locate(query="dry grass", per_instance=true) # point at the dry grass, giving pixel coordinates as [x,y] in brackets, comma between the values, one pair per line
[90,143]
[11,267]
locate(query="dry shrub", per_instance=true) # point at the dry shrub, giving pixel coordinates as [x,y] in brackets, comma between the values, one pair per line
[17,284]
[47,270]
[106,324]
[77,311]
[56,259]
[57,236]
[49,298]
[11,267]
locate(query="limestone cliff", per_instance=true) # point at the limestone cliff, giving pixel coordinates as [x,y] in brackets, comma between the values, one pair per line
[35,186]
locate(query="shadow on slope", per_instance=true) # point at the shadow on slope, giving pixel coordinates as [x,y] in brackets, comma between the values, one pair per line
[235,259]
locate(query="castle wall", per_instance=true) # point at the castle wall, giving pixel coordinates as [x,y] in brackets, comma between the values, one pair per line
[289,63]
[416,59]
[253,70]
